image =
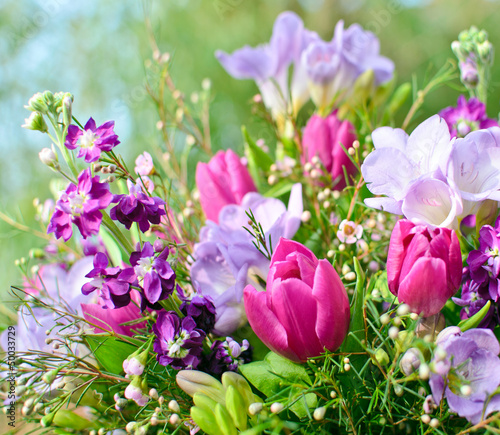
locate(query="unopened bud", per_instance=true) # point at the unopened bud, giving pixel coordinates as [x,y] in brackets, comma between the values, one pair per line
[37,104]
[174,420]
[173,405]
[67,108]
[276,407]
[35,122]
[255,408]
[48,157]
[319,413]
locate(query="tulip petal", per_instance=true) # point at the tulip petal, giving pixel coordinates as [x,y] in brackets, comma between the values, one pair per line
[396,253]
[265,324]
[286,247]
[296,310]
[425,289]
[333,311]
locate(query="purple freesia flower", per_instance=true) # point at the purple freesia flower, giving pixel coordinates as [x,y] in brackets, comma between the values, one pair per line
[80,204]
[137,207]
[111,283]
[269,64]
[154,273]
[178,343]
[228,355]
[469,374]
[467,116]
[227,260]
[92,139]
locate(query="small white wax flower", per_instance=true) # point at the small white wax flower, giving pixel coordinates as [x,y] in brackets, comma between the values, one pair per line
[349,232]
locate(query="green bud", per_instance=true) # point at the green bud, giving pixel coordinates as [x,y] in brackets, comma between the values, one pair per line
[48,98]
[363,86]
[68,419]
[37,253]
[205,419]
[485,51]
[224,421]
[37,104]
[236,407]
[194,381]
[67,108]
[486,214]
[47,420]
[382,357]
[240,383]
[399,97]
[204,402]
[35,122]
[49,377]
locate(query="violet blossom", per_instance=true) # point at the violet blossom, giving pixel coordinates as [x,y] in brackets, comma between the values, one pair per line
[92,139]
[154,273]
[226,259]
[467,116]
[144,164]
[178,343]
[137,207]
[469,374]
[111,283]
[200,307]
[80,204]
[228,355]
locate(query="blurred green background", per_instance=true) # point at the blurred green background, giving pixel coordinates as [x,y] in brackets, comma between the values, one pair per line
[97,49]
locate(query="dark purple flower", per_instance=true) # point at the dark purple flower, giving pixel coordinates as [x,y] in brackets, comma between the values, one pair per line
[228,355]
[137,207]
[178,343]
[200,307]
[112,283]
[466,117]
[80,204]
[92,140]
[154,273]
[469,373]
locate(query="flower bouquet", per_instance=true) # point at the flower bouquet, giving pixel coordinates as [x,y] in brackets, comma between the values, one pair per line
[341,278]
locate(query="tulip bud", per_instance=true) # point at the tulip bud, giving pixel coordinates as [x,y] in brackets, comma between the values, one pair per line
[194,381]
[323,138]
[424,266]
[35,122]
[305,308]
[222,181]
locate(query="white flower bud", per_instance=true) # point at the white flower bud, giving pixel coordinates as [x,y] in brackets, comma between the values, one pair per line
[255,408]
[174,420]
[174,406]
[319,413]
[426,419]
[276,407]
[306,216]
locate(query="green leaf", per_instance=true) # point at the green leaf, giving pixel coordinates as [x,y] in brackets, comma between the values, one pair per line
[284,186]
[475,320]
[109,351]
[283,381]
[68,419]
[112,247]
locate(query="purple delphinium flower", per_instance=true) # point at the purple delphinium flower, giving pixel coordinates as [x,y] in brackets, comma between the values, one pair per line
[178,343]
[469,374]
[92,139]
[111,283]
[137,207]
[467,116]
[200,307]
[154,273]
[228,355]
[80,204]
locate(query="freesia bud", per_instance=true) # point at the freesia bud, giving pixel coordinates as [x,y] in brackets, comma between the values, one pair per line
[194,381]
[222,181]
[424,266]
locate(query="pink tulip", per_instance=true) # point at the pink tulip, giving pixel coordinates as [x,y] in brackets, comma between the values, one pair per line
[305,309]
[323,138]
[111,320]
[222,181]
[424,266]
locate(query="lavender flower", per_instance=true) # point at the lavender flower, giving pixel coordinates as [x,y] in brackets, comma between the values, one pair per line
[92,139]
[178,343]
[466,117]
[80,204]
[469,374]
[228,355]
[137,207]
[154,273]
[111,283]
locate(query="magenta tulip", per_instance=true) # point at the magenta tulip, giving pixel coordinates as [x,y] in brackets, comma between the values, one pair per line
[424,266]
[323,137]
[305,309]
[222,181]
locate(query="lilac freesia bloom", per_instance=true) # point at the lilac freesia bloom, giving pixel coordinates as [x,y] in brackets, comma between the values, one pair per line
[112,284]
[178,342]
[137,207]
[466,117]
[92,139]
[154,273]
[227,260]
[470,373]
[80,204]
[269,64]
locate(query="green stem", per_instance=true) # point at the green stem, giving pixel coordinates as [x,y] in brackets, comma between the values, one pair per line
[64,150]
[111,226]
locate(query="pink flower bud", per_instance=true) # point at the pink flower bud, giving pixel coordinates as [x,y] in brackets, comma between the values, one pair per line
[305,308]
[424,266]
[323,138]
[222,181]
